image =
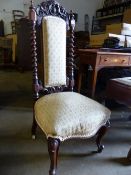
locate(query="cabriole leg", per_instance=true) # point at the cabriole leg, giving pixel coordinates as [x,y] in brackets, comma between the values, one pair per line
[53,148]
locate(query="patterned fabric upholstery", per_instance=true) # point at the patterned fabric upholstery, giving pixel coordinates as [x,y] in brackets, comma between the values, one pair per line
[124,80]
[69,114]
[54,43]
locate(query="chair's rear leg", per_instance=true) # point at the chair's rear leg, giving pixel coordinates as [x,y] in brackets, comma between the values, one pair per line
[100,134]
[34,126]
[53,148]
[129,155]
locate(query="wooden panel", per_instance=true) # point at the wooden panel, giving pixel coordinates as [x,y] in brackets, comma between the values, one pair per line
[130,61]
[126,18]
[24,61]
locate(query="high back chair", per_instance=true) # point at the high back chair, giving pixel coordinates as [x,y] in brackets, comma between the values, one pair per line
[17,15]
[61,113]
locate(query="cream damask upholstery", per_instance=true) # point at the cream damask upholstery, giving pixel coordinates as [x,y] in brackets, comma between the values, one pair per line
[124,80]
[54,33]
[61,115]
[69,114]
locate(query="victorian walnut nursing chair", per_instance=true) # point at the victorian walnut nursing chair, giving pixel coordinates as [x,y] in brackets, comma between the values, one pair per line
[61,113]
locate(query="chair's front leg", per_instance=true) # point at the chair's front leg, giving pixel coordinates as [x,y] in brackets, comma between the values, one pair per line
[53,148]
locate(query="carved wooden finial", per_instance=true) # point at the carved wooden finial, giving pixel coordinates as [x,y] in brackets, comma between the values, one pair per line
[31,3]
[32,13]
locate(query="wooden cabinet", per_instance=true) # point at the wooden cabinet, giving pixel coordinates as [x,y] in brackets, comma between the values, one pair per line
[23,45]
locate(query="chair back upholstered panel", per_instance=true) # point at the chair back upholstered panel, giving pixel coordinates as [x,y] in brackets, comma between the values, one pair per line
[54,43]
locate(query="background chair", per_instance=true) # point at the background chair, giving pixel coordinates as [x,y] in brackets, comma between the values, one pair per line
[61,113]
[17,15]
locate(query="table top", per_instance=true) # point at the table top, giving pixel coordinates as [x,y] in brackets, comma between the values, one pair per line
[123,51]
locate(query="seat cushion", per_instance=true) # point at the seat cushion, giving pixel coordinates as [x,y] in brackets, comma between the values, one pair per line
[69,114]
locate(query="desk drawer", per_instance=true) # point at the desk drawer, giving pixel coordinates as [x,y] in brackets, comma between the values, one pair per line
[114,60]
[130,61]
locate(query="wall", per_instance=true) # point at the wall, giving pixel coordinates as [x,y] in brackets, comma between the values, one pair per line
[81,7]
[6,8]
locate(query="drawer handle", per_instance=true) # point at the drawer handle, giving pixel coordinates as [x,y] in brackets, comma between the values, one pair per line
[123,61]
[105,60]
[115,60]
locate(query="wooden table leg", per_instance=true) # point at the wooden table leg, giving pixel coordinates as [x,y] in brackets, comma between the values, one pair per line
[93,83]
[81,72]
[79,81]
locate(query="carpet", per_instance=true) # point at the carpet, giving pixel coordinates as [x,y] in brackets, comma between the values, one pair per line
[20,155]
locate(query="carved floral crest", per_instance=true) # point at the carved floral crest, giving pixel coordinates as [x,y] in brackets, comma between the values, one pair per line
[51,7]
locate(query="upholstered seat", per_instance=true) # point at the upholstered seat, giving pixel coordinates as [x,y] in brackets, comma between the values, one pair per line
[69,114]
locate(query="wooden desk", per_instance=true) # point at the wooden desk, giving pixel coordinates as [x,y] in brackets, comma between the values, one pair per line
[98,60]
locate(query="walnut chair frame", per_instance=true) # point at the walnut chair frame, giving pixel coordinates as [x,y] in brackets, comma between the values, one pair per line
[52,8]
